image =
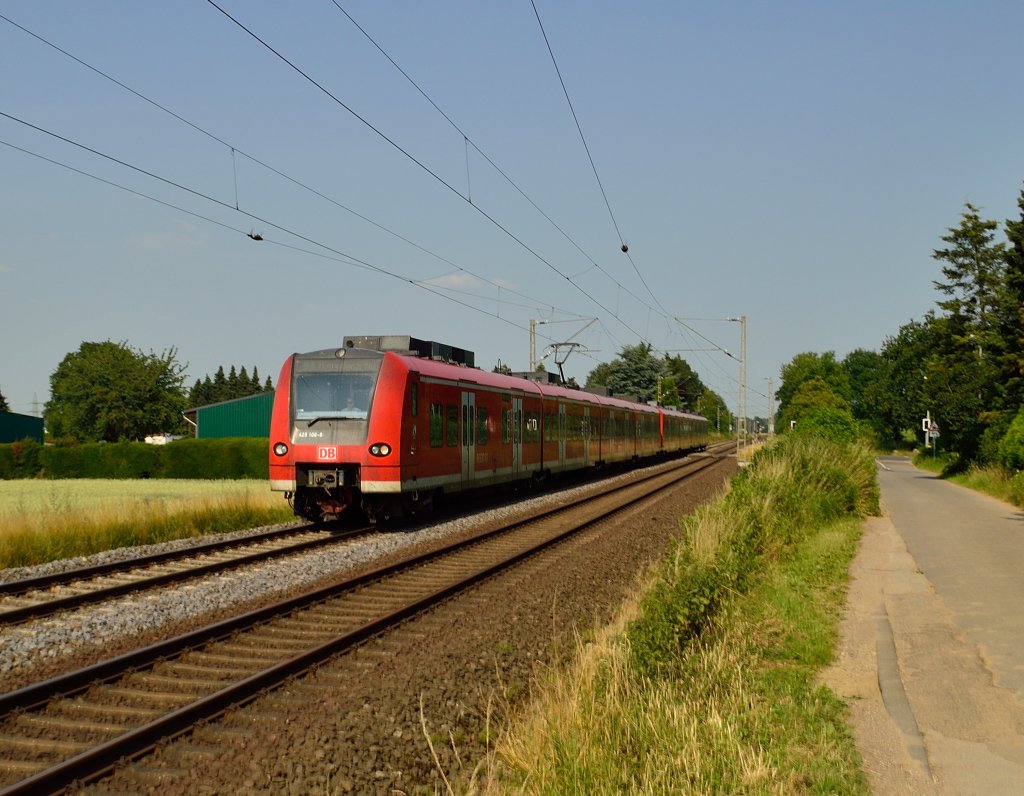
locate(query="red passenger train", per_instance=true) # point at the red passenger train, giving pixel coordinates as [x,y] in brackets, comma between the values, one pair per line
[385,424]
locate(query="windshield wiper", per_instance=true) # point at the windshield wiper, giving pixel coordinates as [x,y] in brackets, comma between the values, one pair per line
[342,416]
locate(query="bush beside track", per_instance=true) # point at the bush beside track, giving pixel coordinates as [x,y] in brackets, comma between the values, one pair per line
[791,489]
[709,684]
[187,458]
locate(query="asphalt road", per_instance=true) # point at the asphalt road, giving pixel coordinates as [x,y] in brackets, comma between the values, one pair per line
[932,655]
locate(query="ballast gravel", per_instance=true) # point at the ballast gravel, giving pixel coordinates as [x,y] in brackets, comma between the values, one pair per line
[35,649]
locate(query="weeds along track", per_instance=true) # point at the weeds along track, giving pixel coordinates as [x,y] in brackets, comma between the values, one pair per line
[78,726]
[21,600]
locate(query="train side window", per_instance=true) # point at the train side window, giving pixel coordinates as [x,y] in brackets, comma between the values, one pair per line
[506,426]
[436,425]
[452,426]
[414,398]
[481,425]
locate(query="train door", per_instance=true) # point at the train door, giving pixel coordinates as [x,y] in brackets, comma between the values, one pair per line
[517,436]
[586,436]
[561,435]
[468,437]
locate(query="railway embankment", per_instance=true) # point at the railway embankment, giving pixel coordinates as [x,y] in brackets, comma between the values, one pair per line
[708,682]
[418,705]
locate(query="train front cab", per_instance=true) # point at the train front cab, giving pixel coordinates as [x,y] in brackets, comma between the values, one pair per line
[320,427]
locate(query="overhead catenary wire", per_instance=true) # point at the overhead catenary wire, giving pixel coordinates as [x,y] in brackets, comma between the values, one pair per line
[235,150]
[328,252]
[469,142]
[590,157]
[435,289]
[340,255]
[424,167]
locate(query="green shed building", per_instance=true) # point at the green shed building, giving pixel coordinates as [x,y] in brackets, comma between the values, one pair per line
[239,417]
[15,427]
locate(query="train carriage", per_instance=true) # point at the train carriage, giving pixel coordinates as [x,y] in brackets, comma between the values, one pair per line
[387,423]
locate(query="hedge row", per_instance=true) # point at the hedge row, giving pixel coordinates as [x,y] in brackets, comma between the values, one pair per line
[800,484]
[186,458]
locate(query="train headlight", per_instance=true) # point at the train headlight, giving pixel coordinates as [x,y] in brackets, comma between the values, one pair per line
[380,449]
[280,449]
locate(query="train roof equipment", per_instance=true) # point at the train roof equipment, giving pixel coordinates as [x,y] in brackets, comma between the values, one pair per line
[404,344]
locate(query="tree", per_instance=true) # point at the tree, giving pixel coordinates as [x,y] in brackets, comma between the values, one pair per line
[668,393]
[813,395]
[598,377]
[685,386]
[4,406]
[863,369]
[963,364]
[974,270]
[958,390]
[831,423]
[220,385]
[1011,448]
[900,400]
[807,366]
[202,393]
[713,407]
[238,384]
[1011,314]
[109,391]
[635,372]
[972,370]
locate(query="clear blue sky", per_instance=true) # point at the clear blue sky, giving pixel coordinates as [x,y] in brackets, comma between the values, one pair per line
[793,162]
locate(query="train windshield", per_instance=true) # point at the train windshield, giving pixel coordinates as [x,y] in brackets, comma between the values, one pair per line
[334,389]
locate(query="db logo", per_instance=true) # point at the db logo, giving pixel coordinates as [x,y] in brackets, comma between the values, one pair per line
[325,453]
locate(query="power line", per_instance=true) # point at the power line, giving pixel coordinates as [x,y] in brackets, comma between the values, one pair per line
[590,157]
[469,142]
[423,166]
[227,205]
[340,255]
[349,259]
[235,150]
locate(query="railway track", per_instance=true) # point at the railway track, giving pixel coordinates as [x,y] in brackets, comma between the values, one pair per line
[36,597]
[79,725]
[31,598]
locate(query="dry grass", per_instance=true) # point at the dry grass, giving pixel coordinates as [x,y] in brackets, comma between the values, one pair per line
[738,708]
[744,716]
[47,520]
[599,729]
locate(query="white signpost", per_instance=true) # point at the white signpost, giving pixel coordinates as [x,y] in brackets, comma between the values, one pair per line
[931,431]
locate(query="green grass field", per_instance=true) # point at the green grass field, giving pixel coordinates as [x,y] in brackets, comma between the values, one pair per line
[47,520]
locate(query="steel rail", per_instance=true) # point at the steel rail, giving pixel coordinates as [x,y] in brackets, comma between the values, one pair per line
[45,608]
[48,607]
[39,582]
[99,760]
